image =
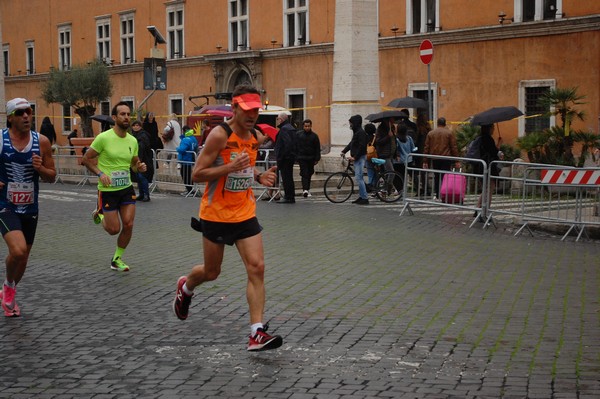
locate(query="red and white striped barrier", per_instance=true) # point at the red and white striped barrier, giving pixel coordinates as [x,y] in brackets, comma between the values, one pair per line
[574,177]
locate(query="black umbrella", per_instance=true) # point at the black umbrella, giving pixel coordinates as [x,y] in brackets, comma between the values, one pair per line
[379,116]
[496,114]
[408,102]
[104,119]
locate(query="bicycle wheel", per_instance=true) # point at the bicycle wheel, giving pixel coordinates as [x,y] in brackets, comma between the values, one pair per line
[338,187]
[389,186]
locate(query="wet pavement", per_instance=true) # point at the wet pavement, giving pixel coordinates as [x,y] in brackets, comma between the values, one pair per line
[370,304]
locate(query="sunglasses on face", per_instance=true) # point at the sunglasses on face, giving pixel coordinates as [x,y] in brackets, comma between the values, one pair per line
[20,112]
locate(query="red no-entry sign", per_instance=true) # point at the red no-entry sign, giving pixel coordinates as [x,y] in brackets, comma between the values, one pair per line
[426,51]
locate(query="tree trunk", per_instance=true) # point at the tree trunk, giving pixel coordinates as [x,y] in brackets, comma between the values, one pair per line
[86,112]
[568,147]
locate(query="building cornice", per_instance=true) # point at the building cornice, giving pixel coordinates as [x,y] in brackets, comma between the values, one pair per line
[498,32]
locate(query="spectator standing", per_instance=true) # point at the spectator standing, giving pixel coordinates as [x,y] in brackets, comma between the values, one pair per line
[423,128]
[309,154]
[489,152]
[110,157]
[440,141]
[72,135]
[358,153]
[47,129]
[151,127]
[171,141]
[405,147]
[285,152]
[411,127]
[25,157]
[228,212]
[186,155]
[370,129]
[385,144]
[145,155]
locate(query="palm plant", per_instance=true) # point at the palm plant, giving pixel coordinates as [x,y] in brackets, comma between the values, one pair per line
[561,103]
[464,135]
[589,142]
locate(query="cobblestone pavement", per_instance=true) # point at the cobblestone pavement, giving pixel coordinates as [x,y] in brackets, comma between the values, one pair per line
[370,304]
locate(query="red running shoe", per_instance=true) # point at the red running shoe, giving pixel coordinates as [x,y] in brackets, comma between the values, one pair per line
[181,304]
[261,341]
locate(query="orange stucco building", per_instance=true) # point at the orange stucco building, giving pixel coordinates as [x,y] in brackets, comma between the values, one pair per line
[486,53]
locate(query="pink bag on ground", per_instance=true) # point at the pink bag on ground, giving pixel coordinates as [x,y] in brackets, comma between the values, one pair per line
[453,188]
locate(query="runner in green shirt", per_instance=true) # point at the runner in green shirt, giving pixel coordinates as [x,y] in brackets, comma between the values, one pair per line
[110,156]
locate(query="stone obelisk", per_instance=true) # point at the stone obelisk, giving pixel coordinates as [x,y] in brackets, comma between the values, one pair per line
[355,67]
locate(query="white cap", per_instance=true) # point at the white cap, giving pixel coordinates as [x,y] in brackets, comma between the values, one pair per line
[15,104]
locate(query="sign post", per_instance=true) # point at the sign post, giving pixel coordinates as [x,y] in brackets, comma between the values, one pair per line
[426,55]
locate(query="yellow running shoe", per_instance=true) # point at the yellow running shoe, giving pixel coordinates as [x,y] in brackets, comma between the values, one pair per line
[118,264]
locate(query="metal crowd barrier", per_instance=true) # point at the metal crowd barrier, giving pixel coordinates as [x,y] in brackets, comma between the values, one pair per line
[561,195]
[67,160]
[265,163]
[505,196]
[167,173]
[524,192]
[420,190]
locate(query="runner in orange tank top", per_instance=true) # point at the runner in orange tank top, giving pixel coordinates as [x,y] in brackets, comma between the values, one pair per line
[228,212]
[230,198]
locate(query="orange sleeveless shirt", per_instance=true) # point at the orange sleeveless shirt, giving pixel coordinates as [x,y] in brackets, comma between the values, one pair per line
[230,198]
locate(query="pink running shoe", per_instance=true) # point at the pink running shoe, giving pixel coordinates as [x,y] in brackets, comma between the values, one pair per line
[9,305]
[181,304]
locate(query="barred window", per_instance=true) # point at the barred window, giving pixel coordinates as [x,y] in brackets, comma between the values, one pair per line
[532,107]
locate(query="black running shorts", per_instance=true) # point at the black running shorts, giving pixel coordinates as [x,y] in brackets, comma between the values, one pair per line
[229,233]
[112,200]
[11,221]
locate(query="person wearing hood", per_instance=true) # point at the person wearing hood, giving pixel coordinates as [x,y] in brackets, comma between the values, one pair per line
[47,129]
[358,153]
[151,127]
[186,155]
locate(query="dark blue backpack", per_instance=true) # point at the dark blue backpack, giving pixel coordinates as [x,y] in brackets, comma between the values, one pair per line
[474,149]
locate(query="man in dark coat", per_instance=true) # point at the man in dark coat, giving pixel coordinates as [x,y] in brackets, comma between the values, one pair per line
[309,154]
[285,152]
[145,155]
[358,153]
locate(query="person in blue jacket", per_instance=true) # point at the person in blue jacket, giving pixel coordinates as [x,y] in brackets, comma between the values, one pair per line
[186,155]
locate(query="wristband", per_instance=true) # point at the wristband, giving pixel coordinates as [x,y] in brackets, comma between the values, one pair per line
[100,174]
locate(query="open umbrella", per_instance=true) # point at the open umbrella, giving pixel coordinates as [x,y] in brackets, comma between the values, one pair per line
[268,130]
[408,102]
[379,116]
[103,119]
[496,114]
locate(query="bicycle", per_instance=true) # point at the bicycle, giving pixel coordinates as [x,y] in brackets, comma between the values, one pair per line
[339,186]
